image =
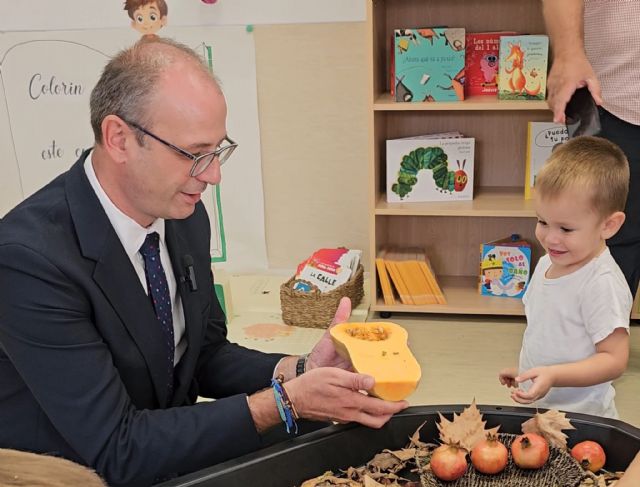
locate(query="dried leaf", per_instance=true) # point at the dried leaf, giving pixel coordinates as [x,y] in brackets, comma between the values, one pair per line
[414,441]
[404,454]
[369,482]
[327,479]
[384,461]
[549,425]
[466,429]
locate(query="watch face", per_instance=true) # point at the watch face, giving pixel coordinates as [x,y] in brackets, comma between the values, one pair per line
[581,114]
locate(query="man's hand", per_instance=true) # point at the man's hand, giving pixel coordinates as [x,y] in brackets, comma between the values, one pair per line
[507,377]
[332,394]
[324,353]
[566,76]
[543,380]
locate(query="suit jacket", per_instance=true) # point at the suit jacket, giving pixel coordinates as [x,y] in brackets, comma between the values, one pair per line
[81,360]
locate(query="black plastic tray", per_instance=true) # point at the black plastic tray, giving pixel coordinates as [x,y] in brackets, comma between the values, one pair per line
[290,463]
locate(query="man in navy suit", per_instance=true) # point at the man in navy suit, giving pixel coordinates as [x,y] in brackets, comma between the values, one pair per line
[102,358]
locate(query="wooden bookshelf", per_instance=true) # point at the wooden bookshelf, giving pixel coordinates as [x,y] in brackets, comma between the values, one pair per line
[452,232]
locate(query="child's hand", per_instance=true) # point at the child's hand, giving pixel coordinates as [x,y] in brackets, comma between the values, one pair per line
[507,377]
[543,380]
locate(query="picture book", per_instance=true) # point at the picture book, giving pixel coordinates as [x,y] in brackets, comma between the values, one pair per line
[522,73]
[436,167]
[327,269]
[505,267]
[542,137]
[428,64]
[481,62]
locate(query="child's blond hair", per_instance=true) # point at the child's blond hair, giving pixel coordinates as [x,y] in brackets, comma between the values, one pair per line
[591,164]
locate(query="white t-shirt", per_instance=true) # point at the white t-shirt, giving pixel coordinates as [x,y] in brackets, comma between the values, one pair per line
[566,318]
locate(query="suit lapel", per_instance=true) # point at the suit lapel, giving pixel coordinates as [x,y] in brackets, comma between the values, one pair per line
[115,275]
[178,248]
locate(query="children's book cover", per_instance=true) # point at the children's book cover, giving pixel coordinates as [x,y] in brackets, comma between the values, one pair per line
[523,67]
[505,266]
[428,64]
[430,168]
[542,138]
[481,62]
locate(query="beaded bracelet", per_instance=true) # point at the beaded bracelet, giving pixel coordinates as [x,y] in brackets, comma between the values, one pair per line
[286,409]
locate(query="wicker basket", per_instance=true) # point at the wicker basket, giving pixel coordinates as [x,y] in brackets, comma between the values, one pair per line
[315,309]
[561,470]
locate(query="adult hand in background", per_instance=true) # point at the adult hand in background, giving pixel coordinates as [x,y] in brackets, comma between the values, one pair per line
[332,394]
[567,75]
[324,353]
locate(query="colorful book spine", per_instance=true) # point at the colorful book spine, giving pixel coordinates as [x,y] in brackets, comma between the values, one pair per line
[523,67]
[409,272]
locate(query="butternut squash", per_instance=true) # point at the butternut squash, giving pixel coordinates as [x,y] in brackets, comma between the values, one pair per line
[379,349]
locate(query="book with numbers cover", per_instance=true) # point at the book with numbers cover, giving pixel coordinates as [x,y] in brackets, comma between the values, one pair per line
[481,64]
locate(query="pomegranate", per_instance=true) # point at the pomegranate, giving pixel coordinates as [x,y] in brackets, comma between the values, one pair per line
[530,451]
[448,462]
[489,456]
[590,455]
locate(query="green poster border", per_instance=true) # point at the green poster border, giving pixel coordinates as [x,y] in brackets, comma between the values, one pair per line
[216,190]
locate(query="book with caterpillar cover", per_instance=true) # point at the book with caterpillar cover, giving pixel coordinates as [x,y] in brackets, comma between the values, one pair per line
[436,167]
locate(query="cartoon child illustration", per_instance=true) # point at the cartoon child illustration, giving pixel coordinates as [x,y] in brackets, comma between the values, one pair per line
[147,16]
[491,271]
[498,278]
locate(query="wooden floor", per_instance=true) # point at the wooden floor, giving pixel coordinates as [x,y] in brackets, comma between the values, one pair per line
[460,356]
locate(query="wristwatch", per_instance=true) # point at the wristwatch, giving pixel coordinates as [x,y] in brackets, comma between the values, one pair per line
[301,364]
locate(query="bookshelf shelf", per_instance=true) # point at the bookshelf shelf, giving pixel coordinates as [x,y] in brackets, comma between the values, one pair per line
[451,232]
[384,102]
[462,297]
[489,201]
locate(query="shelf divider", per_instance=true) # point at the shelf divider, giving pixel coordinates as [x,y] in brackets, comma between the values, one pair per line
[463,297]
[487,201]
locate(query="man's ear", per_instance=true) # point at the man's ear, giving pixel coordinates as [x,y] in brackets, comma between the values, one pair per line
[612,224]
[117,138]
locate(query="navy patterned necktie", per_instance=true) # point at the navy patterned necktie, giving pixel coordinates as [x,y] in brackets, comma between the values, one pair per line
[161,299]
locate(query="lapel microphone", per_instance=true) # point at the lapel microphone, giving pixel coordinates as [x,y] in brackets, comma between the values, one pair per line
[190,277]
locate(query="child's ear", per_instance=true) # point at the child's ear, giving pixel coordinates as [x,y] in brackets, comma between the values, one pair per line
[612,224]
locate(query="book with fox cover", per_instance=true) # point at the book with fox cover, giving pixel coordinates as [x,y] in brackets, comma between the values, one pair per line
[523,67]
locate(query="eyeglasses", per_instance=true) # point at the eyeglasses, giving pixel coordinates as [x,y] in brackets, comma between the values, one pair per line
[201,162]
